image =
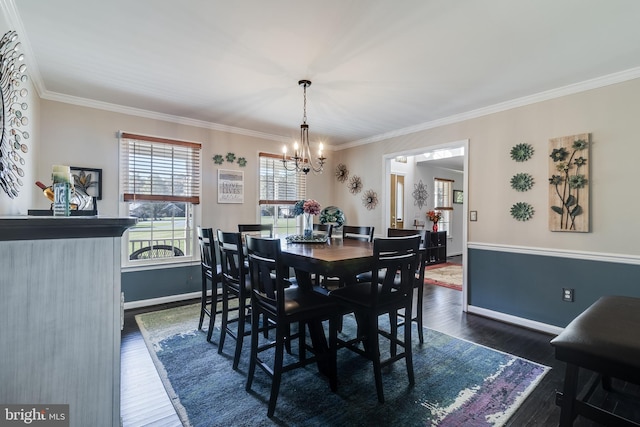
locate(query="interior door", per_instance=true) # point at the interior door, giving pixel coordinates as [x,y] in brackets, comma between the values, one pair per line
[396,202]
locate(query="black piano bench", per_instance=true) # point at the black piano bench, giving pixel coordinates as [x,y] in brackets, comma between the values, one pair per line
[605,339]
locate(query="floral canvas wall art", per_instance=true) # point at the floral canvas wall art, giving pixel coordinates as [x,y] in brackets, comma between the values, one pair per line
[569,183]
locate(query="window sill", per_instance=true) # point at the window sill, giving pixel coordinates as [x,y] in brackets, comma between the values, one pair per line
[158,265]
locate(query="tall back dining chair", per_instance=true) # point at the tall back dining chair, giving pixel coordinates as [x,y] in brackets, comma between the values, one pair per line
[235,285]
[419,283]
[260,230]
[285,305]
[324,228]
[211,274]
[384,295]
[364,233]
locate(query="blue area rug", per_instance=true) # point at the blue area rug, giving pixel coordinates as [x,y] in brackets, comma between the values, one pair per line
[458,383]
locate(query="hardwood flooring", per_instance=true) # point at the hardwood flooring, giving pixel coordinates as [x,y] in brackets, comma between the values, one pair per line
[145,402]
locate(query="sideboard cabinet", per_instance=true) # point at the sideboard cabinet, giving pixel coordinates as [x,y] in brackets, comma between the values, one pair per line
[436,246]
[60,314]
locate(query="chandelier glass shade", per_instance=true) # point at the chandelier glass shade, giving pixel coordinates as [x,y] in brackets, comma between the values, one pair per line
[302,160]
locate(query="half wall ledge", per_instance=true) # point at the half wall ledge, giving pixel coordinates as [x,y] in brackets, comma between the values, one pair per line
[37,228]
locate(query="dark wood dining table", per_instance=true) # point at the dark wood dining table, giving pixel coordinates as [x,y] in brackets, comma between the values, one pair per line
[343,258]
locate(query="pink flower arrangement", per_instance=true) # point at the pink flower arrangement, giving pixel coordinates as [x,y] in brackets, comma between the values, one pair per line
[311,207]
[434,216]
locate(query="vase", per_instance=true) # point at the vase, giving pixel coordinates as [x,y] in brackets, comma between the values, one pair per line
[307,225]
[435,227]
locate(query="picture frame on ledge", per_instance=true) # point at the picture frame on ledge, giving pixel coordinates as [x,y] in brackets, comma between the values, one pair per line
[87,180]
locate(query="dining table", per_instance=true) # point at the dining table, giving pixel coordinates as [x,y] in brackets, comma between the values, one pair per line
[337,257]
[343,258]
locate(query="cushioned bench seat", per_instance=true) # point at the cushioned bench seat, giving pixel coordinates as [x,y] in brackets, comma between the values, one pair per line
[605,339]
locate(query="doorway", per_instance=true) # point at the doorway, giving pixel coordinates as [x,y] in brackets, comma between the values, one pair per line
[447,156]
[396,201]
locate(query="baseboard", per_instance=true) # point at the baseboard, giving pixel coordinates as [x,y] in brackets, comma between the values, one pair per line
[514,320]
[161,300]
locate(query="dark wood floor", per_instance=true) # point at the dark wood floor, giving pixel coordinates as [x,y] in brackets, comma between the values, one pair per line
[144,401]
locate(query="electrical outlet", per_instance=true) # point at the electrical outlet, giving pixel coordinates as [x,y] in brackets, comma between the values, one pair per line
[567,294]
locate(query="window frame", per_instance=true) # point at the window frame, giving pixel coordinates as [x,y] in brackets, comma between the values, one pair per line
[443,201]
[271,197]
[178,171]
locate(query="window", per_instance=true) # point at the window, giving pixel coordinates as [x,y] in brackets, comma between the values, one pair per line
[443,201]
[160,184]
[280,189]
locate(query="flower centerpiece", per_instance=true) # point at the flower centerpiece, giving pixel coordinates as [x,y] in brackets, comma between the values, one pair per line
[308,208]
[434,216]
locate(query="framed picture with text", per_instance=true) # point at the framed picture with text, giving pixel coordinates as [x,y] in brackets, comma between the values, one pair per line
[230,186]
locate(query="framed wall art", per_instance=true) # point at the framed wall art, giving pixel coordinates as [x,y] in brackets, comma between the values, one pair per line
[458,196]
[569,183]
[230,186]
[87,181]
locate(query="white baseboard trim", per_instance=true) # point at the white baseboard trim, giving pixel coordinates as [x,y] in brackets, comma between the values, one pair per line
[161,300]
[518,321]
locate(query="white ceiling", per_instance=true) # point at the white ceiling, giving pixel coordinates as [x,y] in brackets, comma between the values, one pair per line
[378,67]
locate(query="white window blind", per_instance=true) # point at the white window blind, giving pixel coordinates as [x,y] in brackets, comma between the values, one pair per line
[279,186]
[443,193]
[158,169]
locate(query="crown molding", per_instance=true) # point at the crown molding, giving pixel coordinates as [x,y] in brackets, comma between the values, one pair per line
[116,108]
[571,89]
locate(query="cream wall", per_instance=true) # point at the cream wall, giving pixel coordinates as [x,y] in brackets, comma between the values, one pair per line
[87,137]
[609,113]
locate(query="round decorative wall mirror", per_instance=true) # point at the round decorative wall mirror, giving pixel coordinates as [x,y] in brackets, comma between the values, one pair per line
[12,117]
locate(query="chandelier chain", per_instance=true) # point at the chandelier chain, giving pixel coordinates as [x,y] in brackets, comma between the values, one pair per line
[304,114]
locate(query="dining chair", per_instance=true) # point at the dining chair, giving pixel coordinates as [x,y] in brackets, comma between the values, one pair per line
[211,274]
[264,230]
[285,306]
[364,233]
[384,295]
[419,282]
[235,285]
[324,228]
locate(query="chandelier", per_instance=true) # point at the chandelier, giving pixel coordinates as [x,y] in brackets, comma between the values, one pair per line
[302,160]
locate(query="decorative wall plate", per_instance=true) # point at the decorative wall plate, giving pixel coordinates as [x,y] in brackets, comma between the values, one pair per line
[522,211]
[420,194]
[242,162]
[218,159]
[370,199]
[342,173]
[355,184]
[521,152]
[522,182]
[231,157]
[12,118]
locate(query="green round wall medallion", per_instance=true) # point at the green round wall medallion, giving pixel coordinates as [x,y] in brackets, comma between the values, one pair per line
[522,211]
[521,152]
[522,182]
